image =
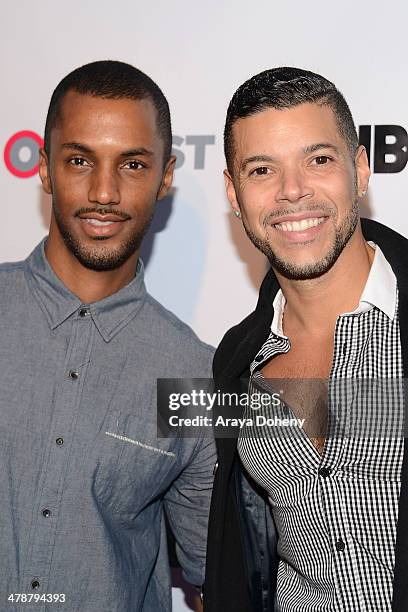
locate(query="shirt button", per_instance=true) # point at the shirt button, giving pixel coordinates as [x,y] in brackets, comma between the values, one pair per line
[259,358]
[35,584]
[73,374]
[46,513]
[84,312]
[340,545]
[59,441]
[324,472]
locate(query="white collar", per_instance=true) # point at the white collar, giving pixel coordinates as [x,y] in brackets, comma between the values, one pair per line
[380,291]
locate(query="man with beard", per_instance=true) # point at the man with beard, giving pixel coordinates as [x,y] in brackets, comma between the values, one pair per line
[313,520]
[85,479]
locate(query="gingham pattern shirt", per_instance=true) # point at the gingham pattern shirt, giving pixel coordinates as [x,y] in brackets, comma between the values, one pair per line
[336,513]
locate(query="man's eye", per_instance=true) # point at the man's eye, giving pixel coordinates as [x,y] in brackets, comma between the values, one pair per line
[133,165]
[321,160]
[78,161]
[260,171]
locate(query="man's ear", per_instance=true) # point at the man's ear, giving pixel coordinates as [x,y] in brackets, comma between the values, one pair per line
[363,171]
[231,194]
[167,179]
[44,172]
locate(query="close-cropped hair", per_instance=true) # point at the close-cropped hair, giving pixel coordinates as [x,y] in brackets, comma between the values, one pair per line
[111,80]
[282,88]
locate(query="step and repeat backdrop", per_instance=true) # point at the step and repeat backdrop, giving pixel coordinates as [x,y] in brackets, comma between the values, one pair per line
[199,262]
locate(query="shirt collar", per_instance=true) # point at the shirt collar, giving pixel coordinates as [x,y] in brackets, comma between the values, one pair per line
[278,308]
[380,291]
[381,287]
[58,303]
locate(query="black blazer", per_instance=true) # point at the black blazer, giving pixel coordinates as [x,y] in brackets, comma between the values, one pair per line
[241,554]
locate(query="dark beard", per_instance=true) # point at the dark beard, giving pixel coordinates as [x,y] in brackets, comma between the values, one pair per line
[294,272]
[101,260]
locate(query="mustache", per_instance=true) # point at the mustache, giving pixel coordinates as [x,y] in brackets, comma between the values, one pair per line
[103,211]
[324,209]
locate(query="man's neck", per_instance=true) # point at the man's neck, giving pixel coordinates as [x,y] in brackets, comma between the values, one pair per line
[88,285]
[313,306]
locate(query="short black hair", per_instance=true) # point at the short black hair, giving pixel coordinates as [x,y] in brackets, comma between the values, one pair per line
[112,80]
[282,88]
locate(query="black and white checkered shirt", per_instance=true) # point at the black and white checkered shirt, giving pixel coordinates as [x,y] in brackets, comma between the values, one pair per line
[336,513]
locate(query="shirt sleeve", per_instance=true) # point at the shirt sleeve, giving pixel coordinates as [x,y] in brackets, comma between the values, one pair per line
[187,506]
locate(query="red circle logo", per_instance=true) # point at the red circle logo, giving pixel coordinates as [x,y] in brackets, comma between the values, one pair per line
[24,139]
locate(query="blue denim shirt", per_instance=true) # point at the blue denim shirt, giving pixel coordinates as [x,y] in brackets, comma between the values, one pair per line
[84,479]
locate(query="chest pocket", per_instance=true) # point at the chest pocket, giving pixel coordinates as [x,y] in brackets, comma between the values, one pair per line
[134,467]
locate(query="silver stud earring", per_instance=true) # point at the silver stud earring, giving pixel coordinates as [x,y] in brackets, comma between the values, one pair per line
[237,213]
[363,193]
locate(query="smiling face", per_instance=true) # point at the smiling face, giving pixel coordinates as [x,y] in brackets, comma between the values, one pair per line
[296,185]
[105,173]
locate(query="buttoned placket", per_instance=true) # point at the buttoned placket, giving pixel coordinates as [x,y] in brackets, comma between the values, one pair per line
[67,400]
[333,502]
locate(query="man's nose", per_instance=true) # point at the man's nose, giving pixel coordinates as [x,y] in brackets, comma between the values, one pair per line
[294,186]
[104,187]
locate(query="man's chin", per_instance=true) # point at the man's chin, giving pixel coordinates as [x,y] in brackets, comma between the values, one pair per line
[100,255]
[306,269]
[293,271]
[102,264]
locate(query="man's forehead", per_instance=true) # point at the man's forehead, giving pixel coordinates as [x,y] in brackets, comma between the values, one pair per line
[95,121]
[278,133]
